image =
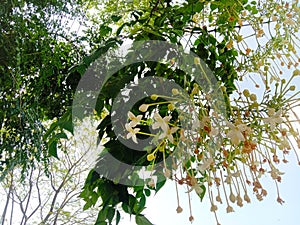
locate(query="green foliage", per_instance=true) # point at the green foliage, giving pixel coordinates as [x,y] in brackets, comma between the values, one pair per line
[36,53]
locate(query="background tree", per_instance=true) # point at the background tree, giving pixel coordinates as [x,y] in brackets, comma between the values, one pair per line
[51,198]
[38,45]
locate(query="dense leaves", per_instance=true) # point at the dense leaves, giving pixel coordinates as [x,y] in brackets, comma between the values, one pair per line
[36,53]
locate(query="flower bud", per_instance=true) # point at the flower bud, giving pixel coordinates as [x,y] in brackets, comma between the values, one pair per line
[154,97]
[191,218]
[175,91]
[171,107]
[150,157]
[246,198]
[179,209]
[167,173]
[197,60]
[246,93]
[229,209]
[151,183]
[218,199]
[253,97]
[232,197]
[239,201]
[213,208]
[296,72]
[143,107]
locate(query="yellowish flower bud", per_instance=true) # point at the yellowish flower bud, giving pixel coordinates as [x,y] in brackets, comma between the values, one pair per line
[143,107]
[175,91]
[171,107]
[154,97]
[296,72]
[239,201]
[197,60]
[253,97]
[150,157]
[246,93]
[151,183]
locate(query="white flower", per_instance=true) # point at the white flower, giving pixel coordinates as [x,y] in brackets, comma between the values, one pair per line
[161,122]
[235,133]
[132,132]
[275,173]
[134,119]
[206,164]
[169,133]
[273,119]
[195,186]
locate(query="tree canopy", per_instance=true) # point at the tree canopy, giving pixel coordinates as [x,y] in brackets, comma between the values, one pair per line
[204,94]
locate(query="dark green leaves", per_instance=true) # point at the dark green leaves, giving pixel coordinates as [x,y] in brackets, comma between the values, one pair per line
[142,220]
[116,18]
[53,148]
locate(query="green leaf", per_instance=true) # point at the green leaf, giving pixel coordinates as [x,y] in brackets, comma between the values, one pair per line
[213,6]
[53,149]
[103,125]
[118,218]
[115,18]
[105,30]
[61,136]
[87,205]
[50,130]
[101,223]
[126,208]
[159,185]
[110,214]
[142,204]
[142,220]
[202,194]
[67,125]
[102,215]
[147,192]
